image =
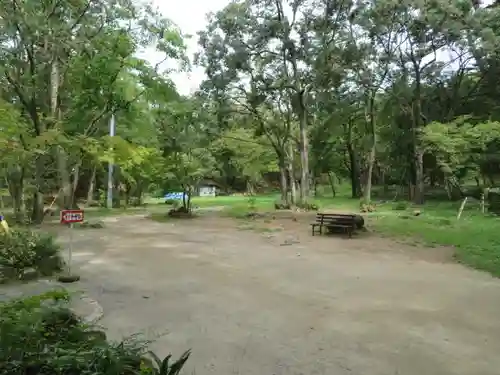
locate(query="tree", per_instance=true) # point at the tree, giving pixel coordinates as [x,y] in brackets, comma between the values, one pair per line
[63,65]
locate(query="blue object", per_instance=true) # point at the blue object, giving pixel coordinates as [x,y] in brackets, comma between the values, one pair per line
[175,195]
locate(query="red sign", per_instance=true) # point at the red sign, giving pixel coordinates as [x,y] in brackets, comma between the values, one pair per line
[71,216]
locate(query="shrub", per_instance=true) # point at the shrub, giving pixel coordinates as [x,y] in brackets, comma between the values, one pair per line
[251,203]
[281,205]
[181,212]
[401,206]
[309,206]
[41,336]
[22,250]
[171,202]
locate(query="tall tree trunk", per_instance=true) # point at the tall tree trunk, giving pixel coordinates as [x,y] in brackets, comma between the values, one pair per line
[314,183]
[304,157]
[127,191]
[332,184]
[184,193]
[291,175]
[418,153]
[190,193]
[64,178]
[283,182]
[38,205]
[15,185]
[139,192]
[371,158]
[61,156]
[74,186]
[419,177]
[250,188]
[293,188]
[90,190]
[354,163]
[37,208]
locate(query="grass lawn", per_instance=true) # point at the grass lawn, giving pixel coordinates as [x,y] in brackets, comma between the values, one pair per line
[474,236]
[266,201]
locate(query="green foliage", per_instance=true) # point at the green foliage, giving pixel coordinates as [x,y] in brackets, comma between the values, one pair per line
[238,151]
[172,202]
[41,336]
[22,249]
[164,367]
[400,206]
[460,144]
[473,237]
[251,203]
[57,99]
[281,205]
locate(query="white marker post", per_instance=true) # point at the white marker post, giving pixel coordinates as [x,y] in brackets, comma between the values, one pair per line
[109,199]
[70,217]
[70,248]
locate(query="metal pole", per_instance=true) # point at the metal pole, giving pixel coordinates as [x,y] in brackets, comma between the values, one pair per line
[109,201]
[70,255]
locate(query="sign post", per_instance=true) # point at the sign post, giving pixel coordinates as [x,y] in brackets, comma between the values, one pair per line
[70,217]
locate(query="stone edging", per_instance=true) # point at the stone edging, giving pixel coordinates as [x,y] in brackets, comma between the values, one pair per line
[98,312]
[95,315]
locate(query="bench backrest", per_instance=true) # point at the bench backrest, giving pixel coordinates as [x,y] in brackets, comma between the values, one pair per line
[338,218]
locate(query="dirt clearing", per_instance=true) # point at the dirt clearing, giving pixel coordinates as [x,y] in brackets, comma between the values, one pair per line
[282,302]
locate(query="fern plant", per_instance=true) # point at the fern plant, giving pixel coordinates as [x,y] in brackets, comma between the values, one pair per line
[157,366]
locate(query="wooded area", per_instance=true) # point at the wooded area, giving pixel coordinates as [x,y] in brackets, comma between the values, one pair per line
[389,93]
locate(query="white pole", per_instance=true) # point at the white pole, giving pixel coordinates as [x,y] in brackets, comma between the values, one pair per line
[70,255]
[109,201]
[461,208]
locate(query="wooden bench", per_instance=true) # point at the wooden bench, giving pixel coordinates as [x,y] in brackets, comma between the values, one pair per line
[346,222]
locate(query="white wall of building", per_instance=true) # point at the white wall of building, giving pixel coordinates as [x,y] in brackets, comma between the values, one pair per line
[207,191]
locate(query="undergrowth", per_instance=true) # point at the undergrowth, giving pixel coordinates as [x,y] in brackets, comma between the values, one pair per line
[41,336]
[23,252]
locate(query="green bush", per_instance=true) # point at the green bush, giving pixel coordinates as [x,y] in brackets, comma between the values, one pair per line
[22,250]
[309,206]
[281,205]
[41,336]
[172,202]
[401,206]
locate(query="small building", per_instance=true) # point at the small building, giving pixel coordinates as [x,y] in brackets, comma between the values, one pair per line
[208,188]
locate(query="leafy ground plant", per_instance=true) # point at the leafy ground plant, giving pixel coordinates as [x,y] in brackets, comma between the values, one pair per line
[26,254]
[41,336]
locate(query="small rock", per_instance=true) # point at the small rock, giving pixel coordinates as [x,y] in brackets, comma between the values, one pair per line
[290,241]
[29,274]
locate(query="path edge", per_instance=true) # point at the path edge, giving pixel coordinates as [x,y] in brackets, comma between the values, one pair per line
[97,310]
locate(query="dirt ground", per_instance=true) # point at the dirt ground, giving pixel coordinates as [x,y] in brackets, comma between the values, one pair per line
[254,298]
